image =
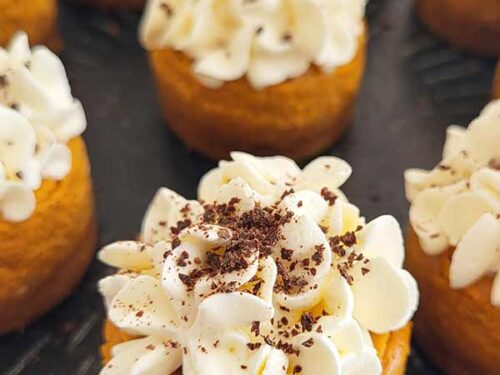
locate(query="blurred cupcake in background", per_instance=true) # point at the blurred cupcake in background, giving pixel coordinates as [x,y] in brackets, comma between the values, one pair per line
[471,24]
[453,248]
[268,77]
[47,219]
[36,17]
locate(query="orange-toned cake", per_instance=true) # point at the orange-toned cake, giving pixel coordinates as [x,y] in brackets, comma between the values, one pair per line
[36,17]
[262,81]
[453,247]
[271,271]
[47,222]
[465,23]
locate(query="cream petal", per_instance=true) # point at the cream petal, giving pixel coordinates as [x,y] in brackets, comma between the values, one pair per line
[57,162]
[364,363]
[305,202]
[482,136]
[204,286]
[415,181]
[164,212]
[455,136]
[17,140]
[31,175]
[267,272]
[267,69]
[17,201]
[111,285]
[338,297]
[228,357]
[210,184]
[128,255]
[424,213]
[238,188]
[320,358]
[239,309]
[334,220]
[206,236]
[248,172]
[351,218]
[302,301]
[19,47]
[142,308]
[476,252]
[382,237]
[486,182]
[301,234]
[383,297]
[50,72]
[227,64]
[276,363]
[492,108]
[459,213]
[325,171]
[345,333]
[146,356]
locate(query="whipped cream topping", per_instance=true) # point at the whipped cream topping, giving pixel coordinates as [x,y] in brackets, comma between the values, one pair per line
[271,272]
[38,116]
[457,204]
[268,41]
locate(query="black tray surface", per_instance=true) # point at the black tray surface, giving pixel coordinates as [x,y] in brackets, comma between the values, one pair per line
[414,87]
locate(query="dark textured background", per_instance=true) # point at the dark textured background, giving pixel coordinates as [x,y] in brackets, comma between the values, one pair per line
[414,87]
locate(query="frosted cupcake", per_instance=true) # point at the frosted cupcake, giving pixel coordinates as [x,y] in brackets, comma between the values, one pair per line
[47,226]
[271,271]
[465,23]
[454,243]
[269,77]
[36,17]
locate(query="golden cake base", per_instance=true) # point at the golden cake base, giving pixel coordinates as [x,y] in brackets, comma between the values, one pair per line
[471,24]
[459,330]
[37,17]
[392,348]
[297,118]
[43,258]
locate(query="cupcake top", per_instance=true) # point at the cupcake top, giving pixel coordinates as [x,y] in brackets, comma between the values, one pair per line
[457,204]
[271,271]
[38,116]
[268,41]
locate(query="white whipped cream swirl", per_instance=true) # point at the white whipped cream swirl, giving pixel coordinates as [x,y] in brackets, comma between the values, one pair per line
[303,297]
[38,116]
[268,41]
[457,204]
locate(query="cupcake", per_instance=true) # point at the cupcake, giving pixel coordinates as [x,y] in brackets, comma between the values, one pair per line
[465,23]
[453,248]
[47,224]
[271,271]
[267,77]
[36,17]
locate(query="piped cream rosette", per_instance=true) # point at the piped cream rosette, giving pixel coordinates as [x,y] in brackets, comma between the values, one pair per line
[268,41]
[457,204]
[272,271]
[38,116]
